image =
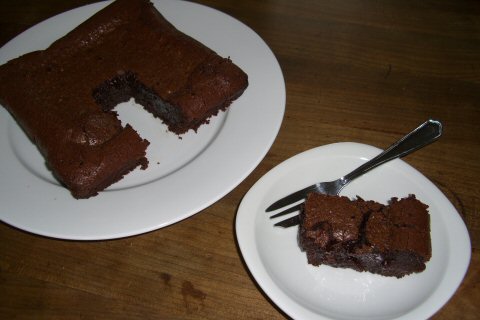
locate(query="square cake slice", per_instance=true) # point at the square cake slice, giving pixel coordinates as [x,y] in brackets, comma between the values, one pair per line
[63,96]
[390,240]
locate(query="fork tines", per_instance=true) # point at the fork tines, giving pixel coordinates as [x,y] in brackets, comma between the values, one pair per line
[289,222]
[287,211]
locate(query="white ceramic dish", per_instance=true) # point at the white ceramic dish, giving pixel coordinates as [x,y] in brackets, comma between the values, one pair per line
[184,176]
[307,292]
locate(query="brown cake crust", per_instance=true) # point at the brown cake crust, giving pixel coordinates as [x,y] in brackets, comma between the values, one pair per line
[391,240]
[63,96]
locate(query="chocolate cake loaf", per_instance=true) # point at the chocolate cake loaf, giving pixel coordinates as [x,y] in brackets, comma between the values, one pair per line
[63,96]
[390,240]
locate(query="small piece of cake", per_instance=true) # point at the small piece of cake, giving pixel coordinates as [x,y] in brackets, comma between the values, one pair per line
[63,96]
[391,240]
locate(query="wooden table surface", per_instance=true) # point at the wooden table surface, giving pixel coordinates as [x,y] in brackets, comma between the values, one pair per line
[362,71]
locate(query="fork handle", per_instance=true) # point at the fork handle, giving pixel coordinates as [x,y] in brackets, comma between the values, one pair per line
[425,134]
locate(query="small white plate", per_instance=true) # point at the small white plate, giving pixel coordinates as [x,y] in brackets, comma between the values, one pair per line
[307,292]
[184,175]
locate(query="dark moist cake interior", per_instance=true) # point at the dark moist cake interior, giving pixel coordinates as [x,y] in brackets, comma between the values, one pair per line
[391,240]
[126,85]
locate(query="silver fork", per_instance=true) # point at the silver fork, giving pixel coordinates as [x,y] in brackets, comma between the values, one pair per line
[425,134]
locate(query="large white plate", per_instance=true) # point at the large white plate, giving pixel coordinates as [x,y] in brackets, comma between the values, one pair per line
[184,176]
[307,292]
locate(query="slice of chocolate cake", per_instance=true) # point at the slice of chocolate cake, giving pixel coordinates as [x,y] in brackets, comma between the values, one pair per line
[391,240]
[63,96]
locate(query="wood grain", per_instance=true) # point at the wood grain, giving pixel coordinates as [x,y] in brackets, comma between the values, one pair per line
[363,71]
